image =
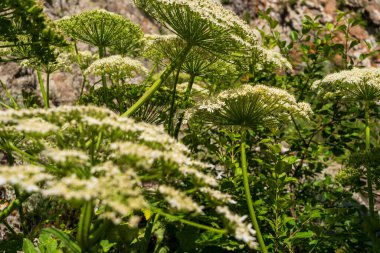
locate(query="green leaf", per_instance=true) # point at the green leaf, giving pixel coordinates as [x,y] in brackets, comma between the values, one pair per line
[68,242]
[28,246]
[301,235]
[294,35]
[106,245]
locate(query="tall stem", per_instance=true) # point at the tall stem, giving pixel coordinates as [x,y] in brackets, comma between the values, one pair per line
[42,88]
[369,174]
[248,192]
[47,88]
[172,105]
[151,72]
[84,225]
[101,55]
[157,84]
[185,103]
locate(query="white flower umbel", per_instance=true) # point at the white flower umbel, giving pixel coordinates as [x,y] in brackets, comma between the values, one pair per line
[100,28]
[117,67]
[250,106]
[358,84]
[204,23]
[243,232]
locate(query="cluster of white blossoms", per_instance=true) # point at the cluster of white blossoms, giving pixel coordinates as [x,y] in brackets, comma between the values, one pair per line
[28,177]
[243,231]
[270,57]
[250,106]
[179,200]
[218,195]
[357,84]
[116,66]
[99,27]
[66,155]
[90,154]
[84,58]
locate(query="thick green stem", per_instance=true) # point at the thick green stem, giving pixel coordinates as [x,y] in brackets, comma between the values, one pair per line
[185,104]
[47,88]
[248,192]
[101,55]
[172,105]
[42,88]
[84,225]
[369,174]
[157,84]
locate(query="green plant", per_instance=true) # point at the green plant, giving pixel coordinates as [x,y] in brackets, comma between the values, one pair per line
[248,108]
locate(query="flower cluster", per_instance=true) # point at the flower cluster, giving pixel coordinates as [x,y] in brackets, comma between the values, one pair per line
[116,66]
[90,154]
[62,62]
[100,28]
[243,231]
[272,58]
[204,23]
[360,84]
[250,106]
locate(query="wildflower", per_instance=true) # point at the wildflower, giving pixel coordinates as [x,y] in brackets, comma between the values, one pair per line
[116,66]
[250,106]
[218,195]
[359,84]
[243,231]
[100,28]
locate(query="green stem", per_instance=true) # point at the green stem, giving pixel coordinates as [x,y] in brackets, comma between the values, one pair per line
[148,233]
[101,55]
[99,232]
[84,225]
[42,88]
[12,206]
[157,84]
[21,212]
[151,72]
[369,174]
[184,105]
[172,105]
[9,227]
[47,88]
[9,95]
[248,193]
[190,223]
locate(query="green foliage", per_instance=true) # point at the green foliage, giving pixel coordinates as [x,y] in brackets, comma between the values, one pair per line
[25,28]
[88,180]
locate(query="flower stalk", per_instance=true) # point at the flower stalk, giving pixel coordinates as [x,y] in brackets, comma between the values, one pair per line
[84,225]
[157,84]
[369,174]
[248,192]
